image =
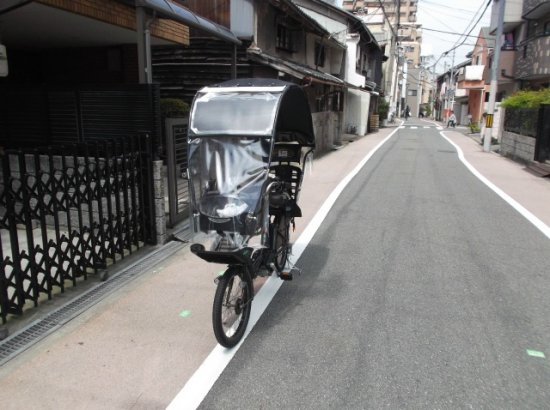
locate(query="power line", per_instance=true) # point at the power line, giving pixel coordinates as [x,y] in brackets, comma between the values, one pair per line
[433,3]
[387,18]
[449,32]
[435,18]
[478,20]
[472,29]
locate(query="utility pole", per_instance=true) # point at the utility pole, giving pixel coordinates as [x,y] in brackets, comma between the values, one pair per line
[451,87]
[396,55]
[398,91]
[494,79]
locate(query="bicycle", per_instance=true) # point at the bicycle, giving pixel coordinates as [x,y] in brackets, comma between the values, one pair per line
[244,185]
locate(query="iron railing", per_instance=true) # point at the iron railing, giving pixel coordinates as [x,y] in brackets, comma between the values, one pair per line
[66,212]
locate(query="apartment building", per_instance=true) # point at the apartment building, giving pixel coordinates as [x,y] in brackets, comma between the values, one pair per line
[394,25]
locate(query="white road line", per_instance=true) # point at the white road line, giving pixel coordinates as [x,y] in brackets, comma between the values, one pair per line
[198,386]
[427,126]
[413,128]
[516,205]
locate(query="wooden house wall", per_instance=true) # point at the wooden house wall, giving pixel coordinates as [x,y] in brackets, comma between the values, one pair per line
[216,10]
[182,71]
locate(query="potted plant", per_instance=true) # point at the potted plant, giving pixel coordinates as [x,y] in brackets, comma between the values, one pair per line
[383,109]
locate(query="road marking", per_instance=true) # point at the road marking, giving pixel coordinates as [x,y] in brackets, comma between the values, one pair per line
[535,353]
[541,226]
[200,383]
[413,128]
[427,126]
[185,313]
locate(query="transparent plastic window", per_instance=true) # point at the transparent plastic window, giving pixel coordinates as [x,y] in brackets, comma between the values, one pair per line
[227,178]
[234,113]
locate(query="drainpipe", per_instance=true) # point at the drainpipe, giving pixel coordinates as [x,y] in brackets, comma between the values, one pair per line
[140,26]
[144,46]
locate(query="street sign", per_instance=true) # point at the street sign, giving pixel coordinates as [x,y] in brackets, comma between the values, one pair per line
[489,121]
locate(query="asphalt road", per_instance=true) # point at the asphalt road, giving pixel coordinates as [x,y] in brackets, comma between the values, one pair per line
[422,290]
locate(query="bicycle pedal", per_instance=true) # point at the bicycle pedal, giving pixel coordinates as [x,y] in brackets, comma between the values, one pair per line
[285,275]
[264,272]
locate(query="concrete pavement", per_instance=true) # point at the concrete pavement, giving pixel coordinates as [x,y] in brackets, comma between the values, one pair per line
[138,346]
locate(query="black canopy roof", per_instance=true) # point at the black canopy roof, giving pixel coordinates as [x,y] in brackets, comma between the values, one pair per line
[294,115]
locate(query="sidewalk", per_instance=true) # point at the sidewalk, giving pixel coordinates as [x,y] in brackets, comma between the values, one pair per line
[138,346]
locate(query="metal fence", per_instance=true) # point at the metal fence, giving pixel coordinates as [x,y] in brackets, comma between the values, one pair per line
[522,121]
[70,211]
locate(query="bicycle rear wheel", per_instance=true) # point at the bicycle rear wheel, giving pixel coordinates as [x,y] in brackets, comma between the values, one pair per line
[232,304]
[280,243]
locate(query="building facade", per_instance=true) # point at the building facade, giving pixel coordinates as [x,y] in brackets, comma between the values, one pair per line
[394,25]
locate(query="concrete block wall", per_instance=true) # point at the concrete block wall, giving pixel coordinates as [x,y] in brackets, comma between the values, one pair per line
[518,147]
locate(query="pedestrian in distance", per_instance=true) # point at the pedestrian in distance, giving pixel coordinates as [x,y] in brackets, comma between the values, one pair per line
[452,120]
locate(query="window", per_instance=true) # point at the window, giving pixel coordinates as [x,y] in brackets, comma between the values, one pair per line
[362,62]
[412,93]
[525,51]
[508,43]
[284,38]
[547,28]
[319,55]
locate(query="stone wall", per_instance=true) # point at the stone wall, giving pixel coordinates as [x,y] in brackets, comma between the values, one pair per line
[518,147]
[160,213]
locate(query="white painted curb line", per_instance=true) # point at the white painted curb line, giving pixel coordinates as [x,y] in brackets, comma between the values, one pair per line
[198,386]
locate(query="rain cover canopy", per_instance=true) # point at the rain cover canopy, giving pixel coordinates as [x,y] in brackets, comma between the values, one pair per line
[233,112]
[232,130]
[227,177]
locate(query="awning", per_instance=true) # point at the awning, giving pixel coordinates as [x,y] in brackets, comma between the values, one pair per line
[294,69]
[185,16]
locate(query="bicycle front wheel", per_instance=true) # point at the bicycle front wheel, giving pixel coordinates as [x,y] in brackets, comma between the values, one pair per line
[282,236]
[232,304]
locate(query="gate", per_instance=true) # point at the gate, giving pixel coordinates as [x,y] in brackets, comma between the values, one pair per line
[542,147]
[176,163]
[66,212]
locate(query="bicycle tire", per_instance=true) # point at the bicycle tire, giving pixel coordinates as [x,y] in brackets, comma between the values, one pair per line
[232,305]
[282,237]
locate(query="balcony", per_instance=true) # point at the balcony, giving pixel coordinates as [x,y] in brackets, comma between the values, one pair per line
[512,16]
[472,77]
[535,9]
